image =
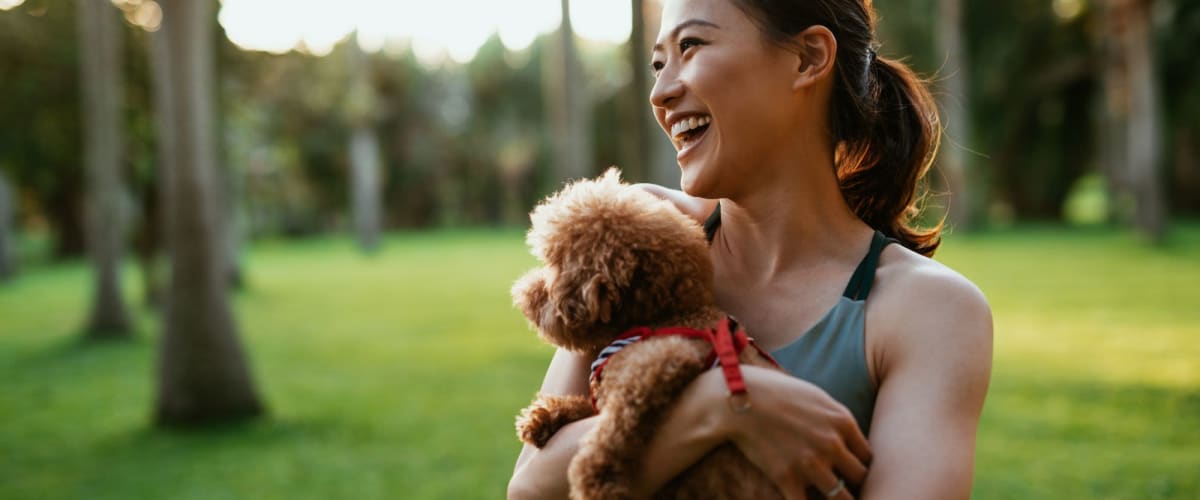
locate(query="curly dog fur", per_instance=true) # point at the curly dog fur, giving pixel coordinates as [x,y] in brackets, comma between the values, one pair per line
[616,257]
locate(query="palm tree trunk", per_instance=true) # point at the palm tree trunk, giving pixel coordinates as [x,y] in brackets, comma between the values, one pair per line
[663,167]
[955,105]
[365,163]
[1145,136]
[640,119]
[104,141]
[568,105]
[1133,143]
[202,371]
[157,275]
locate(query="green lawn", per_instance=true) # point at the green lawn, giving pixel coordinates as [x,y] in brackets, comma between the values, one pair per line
[398,376]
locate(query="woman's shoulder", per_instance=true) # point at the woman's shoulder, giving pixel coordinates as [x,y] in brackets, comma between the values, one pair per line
[906,276]
[919,304]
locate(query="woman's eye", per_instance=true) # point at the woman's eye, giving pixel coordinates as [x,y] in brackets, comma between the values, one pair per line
[656,66]
[688,43]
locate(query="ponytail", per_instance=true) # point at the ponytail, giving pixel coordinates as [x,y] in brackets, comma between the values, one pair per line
[884,156]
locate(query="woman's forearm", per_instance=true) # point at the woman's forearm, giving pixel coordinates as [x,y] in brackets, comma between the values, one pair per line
[542,473]
[688,431]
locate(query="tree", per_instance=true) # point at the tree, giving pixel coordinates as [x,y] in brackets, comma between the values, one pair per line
[8,258]
[955,107]
[567,104]
[366,205]
[154,279]
[42,156]
[202,370]
[1131,97]
[660,155]
[101,69]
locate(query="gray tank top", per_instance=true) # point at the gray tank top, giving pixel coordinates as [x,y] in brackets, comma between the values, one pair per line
[832,354]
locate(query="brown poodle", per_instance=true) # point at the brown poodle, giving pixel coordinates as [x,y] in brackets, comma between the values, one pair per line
[617,258]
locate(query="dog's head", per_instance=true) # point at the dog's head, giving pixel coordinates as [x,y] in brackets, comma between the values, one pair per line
[615,257]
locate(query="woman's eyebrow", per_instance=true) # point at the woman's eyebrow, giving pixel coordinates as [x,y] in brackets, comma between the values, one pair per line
[685,24]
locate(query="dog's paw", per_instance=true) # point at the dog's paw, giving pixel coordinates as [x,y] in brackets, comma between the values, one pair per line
[535,425]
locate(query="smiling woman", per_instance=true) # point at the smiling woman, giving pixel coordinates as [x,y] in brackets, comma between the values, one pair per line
[801,148]
[436,30]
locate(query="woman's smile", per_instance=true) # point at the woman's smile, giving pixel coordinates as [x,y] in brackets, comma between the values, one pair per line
[688,132]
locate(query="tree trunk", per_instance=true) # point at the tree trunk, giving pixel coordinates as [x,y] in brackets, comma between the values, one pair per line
[569,105]
[956,115]
[104,146]
[637,134]
[366,205]
[8,256]
[230,191]
[156,274]
[202,371]
[1145,137]
[1131,96]
[663,167]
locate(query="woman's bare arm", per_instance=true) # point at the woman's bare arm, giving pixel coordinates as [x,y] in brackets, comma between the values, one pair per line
[935,364]
[797,433]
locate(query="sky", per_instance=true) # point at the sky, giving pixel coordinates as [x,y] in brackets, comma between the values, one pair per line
[436,29]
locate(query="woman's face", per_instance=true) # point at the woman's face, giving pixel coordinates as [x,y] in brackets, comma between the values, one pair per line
[723,95]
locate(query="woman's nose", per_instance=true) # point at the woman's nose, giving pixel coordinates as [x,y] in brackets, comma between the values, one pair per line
[667,88]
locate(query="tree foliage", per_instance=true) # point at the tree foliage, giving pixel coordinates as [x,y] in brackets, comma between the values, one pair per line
[471,143]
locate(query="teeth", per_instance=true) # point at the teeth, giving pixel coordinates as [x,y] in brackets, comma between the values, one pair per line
[687,124]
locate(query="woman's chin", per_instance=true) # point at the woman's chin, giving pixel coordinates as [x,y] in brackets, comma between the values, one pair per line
[695,183]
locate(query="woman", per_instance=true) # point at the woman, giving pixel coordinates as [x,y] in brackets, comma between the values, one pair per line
[814,146]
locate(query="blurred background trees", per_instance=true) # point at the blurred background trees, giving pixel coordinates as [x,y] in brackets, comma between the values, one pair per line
[1055,109]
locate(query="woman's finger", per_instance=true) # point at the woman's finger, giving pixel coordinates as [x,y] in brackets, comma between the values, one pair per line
[790,483]
[855,441]
[834,487]
[850,467]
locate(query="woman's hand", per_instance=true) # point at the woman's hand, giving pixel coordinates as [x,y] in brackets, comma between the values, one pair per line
[798,435]
[795,432]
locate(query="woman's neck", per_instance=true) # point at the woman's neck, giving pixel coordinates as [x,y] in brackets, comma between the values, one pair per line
[797,221]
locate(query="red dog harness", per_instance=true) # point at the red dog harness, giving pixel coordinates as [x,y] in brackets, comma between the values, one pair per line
[727,344]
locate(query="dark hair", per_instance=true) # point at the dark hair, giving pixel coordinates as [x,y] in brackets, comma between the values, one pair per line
[882,117]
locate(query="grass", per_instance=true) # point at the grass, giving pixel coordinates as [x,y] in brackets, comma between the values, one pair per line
[397,376]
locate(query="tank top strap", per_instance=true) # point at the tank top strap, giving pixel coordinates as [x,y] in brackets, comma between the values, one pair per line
[712,223]
[864,276]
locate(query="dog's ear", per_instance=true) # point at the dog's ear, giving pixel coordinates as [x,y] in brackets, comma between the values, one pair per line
[530,294]
[565,307]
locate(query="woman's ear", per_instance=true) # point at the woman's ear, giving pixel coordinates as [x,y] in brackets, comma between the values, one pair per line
[816,52]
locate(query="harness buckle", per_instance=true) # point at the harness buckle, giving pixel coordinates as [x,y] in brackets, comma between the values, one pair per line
[739,402]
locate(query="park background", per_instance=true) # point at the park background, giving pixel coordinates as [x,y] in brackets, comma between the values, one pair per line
[339,190]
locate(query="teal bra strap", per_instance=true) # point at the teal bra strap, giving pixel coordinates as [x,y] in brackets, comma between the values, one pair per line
[713,222]
[864,276]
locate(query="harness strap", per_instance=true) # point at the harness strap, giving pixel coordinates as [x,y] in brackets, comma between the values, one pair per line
[726,347]
[727,342]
